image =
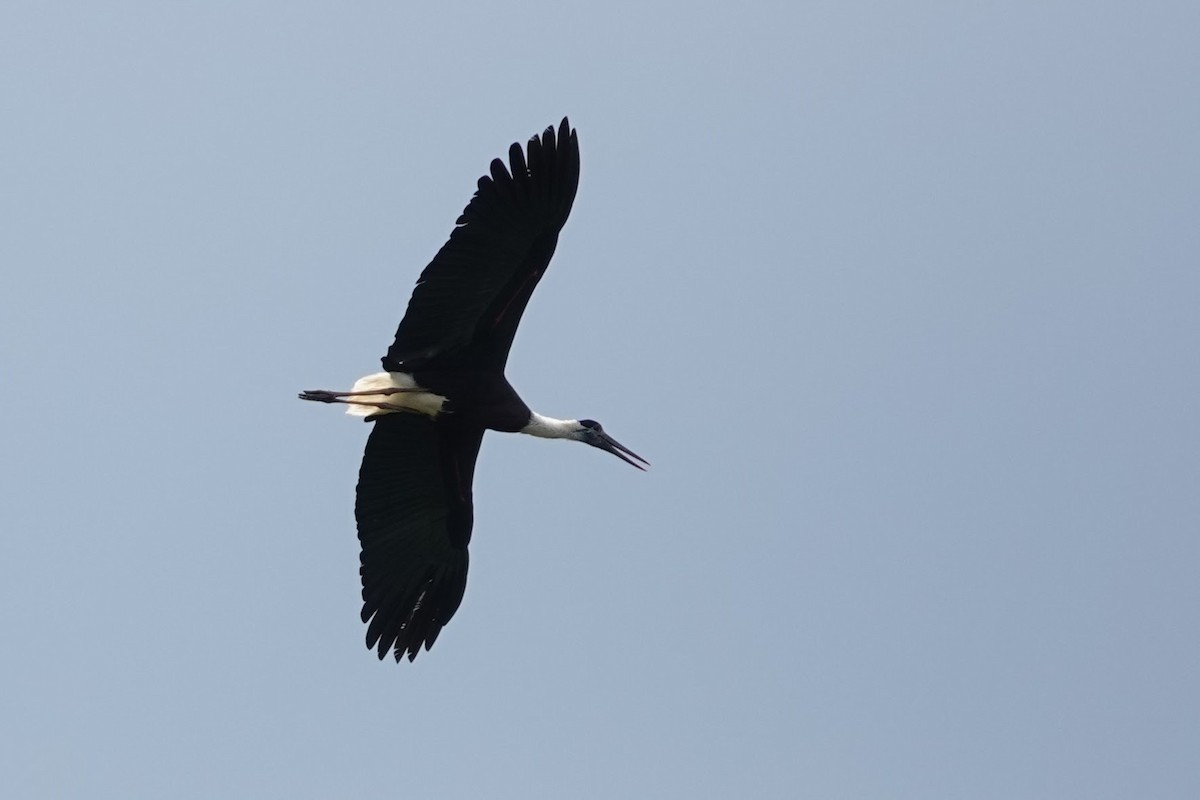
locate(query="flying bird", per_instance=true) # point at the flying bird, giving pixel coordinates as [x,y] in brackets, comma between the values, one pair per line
[443,385]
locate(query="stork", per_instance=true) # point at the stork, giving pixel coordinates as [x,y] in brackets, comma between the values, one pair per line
[443,385]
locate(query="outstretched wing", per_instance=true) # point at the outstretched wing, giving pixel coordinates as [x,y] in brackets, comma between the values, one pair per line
[470,298]
[414,514]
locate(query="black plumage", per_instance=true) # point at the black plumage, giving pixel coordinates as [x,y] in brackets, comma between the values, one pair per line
[415,518]
[414,507]
[414,524]
[469,300]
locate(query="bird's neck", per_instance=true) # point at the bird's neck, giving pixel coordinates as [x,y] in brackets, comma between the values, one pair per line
[549,427]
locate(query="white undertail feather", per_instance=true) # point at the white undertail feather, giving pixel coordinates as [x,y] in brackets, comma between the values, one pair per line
[551,428]
[426,403]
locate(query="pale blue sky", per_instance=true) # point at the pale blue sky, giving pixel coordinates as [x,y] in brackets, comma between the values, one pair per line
[899,299]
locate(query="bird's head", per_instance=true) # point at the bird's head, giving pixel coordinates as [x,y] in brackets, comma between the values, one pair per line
[590,432]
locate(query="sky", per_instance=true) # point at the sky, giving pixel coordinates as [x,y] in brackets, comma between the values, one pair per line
[900,300]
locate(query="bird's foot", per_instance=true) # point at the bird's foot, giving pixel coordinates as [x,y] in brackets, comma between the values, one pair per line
[319,396]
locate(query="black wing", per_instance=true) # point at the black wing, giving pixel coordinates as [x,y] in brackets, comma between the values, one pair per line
[470,298]
[414,515]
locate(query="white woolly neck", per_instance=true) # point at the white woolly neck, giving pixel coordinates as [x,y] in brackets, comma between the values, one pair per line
[551,428]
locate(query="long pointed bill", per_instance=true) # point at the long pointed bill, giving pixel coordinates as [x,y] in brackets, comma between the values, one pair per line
[611,445]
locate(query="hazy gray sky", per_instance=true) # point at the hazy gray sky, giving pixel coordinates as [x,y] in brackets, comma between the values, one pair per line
[899,299]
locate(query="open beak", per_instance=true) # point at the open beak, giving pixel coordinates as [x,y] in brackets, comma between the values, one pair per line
[611,445]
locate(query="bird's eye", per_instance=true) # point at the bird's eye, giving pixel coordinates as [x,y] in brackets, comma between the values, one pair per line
[590,423]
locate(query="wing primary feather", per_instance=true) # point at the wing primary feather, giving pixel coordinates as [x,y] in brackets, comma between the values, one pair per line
[516,161]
